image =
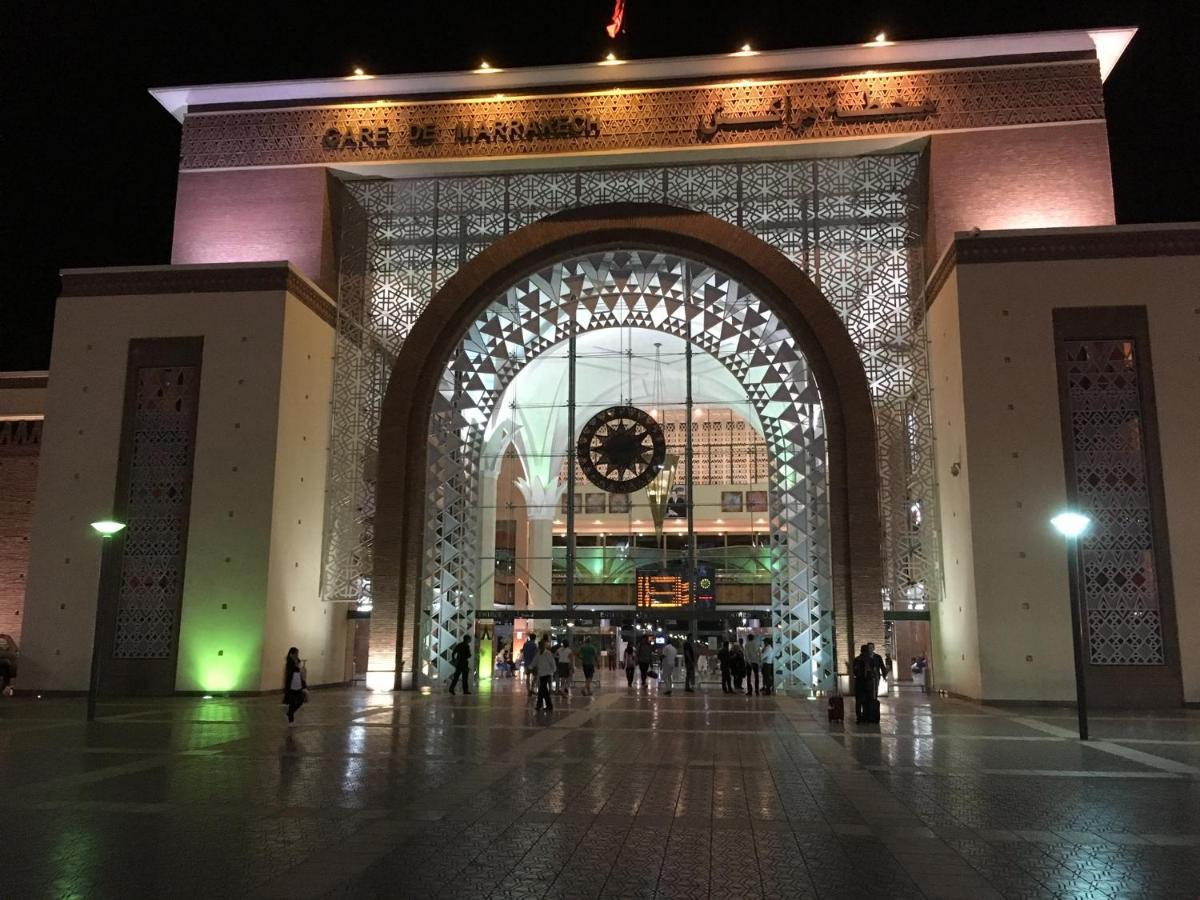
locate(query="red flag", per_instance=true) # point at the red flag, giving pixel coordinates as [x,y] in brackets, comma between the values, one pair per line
[618,15]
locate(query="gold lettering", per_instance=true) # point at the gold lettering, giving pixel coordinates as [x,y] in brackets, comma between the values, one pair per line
[383,136]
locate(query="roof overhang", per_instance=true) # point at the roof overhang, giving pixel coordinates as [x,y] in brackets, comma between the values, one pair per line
[1106,43]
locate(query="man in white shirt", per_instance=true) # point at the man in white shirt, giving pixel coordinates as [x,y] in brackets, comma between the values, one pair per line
[565,660]
[753,664]
[668,664]
[768,666]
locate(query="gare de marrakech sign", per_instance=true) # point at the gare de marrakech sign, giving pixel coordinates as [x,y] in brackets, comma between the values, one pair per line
[779,114]
[745,112]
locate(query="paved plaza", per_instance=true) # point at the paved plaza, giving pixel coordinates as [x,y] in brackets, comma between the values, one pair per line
[612,796]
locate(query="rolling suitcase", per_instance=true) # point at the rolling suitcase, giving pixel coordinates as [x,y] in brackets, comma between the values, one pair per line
[837,708]
[871,711]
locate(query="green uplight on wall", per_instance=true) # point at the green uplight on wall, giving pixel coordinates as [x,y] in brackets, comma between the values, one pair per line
[107,527]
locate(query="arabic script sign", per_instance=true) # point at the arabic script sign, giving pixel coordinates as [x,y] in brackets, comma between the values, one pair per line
[781,113]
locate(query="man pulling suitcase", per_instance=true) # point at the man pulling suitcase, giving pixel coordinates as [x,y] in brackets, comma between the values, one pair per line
[868,669]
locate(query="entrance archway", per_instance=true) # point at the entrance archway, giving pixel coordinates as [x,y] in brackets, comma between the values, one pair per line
[404,449]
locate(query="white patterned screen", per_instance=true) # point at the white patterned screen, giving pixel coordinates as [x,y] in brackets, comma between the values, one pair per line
[854,224]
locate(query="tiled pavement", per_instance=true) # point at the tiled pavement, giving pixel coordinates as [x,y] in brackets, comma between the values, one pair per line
[618,795]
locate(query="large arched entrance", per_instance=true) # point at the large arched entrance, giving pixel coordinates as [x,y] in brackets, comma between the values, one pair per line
[668,241]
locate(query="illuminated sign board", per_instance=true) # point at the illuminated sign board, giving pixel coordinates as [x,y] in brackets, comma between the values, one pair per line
[667,587]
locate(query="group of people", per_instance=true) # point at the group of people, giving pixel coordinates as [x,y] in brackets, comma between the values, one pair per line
[550,668]
[750,661]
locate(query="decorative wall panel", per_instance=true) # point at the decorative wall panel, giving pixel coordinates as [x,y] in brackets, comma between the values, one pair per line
[646,119]
[156,511]
[1119,573]
[854,224]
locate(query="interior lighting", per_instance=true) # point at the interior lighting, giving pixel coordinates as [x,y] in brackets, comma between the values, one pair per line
[107,527]
[1071,524]
[381,682]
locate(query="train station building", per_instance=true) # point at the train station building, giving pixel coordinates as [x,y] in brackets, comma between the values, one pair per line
[808,344]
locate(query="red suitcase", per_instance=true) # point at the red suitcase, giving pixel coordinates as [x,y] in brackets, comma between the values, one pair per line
[837,709]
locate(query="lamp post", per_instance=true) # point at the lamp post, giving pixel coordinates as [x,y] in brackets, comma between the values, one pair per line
[1072,525]
[106,528]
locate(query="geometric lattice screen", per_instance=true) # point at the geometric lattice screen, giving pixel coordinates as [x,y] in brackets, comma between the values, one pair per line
[853,224]
[160,478]
[1120,581]
[633,288]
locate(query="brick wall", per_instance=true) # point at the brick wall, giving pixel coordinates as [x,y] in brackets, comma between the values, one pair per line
[1044,177]
[257,215]
[20,442]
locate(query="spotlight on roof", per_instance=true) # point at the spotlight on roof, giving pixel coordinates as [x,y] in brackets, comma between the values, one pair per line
[611,60]
[485,68]
[358,73]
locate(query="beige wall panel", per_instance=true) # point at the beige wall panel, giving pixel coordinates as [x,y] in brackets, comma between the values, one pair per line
[953,620]
[21,403]
[295,615]
[77,471]
[1014,440]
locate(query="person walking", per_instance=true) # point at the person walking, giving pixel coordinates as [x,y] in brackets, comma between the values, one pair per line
[565,660]
[529,653]
[629,660]
[460,656]
[737,664]
[544,667]
[753,660]
[587,658]
[669,655]
[645,656]
[868,669]
[724,657]
[689,665]
[768,666]
[880,668]
[294,684]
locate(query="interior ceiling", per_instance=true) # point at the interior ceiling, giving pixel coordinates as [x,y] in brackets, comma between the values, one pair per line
[614,365]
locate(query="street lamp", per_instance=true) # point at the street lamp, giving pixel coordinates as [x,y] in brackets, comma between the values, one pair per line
[106,528]
[1072,525]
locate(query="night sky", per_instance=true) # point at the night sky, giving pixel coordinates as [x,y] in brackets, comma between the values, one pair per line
[90,168]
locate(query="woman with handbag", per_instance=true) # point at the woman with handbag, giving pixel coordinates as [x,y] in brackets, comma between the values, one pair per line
[294,686]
